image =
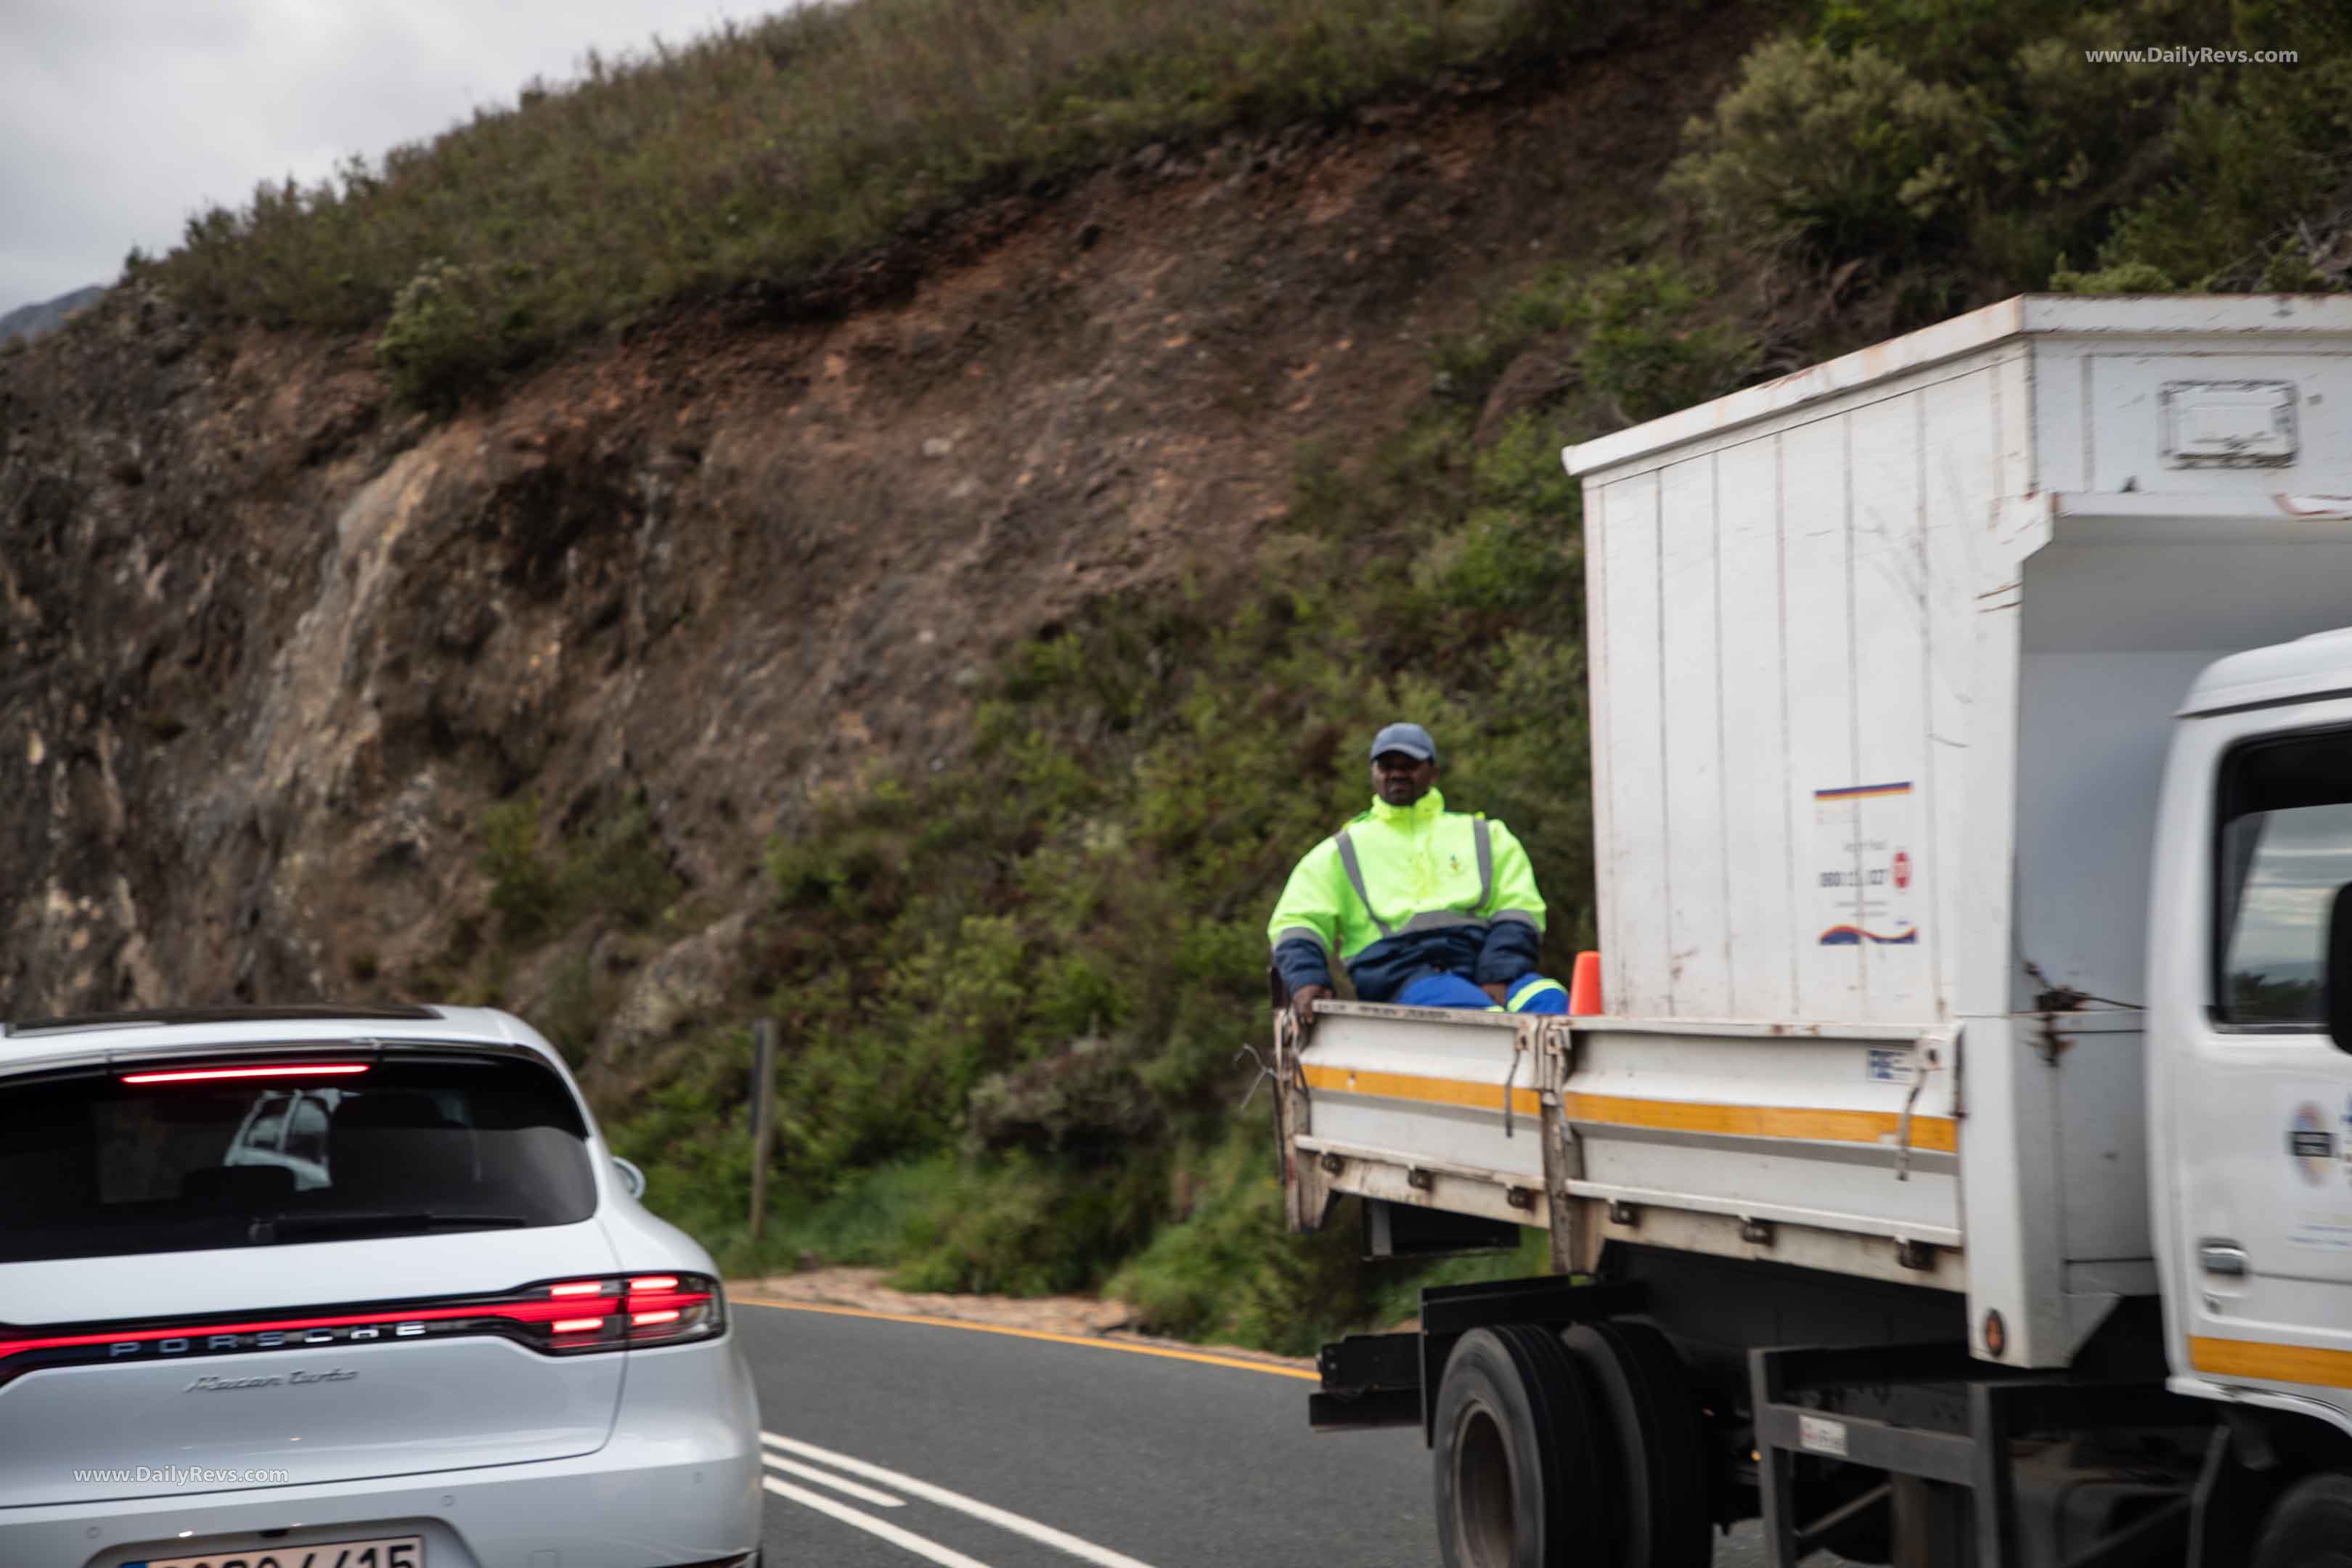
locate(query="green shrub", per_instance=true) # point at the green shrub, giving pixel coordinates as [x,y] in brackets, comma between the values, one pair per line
[1227,1269]
[2123,277]
[1846,156]
[523,891]
[1546,306]
[617,871]
[1648,351]
[2261,193]
[612,873]
[574,1010]
[1644,339]
[452,329]
[1020,1226]
[1516,553]
[2213,177]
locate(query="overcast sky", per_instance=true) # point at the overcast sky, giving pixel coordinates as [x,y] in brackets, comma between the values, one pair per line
[118,118]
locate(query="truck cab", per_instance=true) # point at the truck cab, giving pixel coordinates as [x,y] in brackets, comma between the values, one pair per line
[2250,1094]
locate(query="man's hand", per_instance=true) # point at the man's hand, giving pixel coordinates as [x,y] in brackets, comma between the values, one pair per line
[1302,1004]
[1500,992]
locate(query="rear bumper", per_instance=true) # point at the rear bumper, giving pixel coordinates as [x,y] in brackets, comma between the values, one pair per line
[677,1483]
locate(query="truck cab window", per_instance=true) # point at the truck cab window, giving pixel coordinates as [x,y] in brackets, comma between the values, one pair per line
[267,1125]
[306,1132]
[2286,846]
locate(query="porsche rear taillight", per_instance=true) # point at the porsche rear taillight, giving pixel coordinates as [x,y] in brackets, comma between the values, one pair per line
[671,1309]
[635,1309]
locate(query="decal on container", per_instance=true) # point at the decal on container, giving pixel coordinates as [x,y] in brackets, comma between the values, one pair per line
[1867,876]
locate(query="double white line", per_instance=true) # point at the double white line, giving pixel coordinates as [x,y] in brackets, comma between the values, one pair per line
[1045,1534]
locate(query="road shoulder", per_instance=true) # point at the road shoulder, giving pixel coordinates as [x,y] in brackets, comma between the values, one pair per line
[1074,1316]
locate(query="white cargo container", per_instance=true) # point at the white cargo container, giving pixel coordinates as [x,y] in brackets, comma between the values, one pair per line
[1887,658]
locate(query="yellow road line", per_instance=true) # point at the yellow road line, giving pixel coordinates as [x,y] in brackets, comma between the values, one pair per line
[2276,1362]
[1937,1134]
[1101,1344]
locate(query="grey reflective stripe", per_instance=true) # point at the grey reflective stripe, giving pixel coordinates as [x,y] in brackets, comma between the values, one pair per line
[1354,867]
[1439,919]
[1502,915]
[1485,841]
[1309,933]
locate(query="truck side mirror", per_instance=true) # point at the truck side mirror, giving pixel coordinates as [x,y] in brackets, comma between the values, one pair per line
[2336,991]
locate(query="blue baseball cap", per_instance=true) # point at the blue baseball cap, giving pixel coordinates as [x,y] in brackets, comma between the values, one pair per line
[1410,739]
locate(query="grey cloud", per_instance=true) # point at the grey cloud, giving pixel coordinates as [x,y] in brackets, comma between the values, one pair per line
[123,117]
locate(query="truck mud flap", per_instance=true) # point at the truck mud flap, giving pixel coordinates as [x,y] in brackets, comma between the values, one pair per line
[1368,1380]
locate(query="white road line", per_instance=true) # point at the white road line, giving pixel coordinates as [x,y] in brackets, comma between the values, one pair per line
[827,1479]
[872,1526]
[1102,1556]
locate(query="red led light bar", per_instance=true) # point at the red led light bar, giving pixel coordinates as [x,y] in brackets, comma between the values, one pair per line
[192,1075]
[517,1311]
[655,1282]
[551,1317]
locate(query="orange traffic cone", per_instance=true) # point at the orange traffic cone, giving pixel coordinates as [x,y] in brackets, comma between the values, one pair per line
[1584,990]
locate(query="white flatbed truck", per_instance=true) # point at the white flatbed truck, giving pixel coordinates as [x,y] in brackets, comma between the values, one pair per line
[1960,1170]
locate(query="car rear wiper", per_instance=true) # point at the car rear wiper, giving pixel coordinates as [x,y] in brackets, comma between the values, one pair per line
[267,1228]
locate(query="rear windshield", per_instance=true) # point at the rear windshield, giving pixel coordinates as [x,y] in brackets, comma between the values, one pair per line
[97,1165]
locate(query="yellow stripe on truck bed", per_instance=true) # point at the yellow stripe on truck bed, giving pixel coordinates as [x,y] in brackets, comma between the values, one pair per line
[1940,1134]
[1429,1090]
[1935,1133]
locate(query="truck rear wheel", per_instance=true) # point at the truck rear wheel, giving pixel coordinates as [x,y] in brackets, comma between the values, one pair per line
[1524,1468]
[1656,1428]
[2311,1527]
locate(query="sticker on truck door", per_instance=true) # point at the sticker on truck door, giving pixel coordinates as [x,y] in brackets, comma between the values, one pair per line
[1866,877]
[2319,1153]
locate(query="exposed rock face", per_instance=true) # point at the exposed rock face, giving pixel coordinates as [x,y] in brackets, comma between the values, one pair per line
[685,986]
[268,646]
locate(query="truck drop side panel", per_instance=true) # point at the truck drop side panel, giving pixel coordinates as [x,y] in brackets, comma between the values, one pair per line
[1833,1147]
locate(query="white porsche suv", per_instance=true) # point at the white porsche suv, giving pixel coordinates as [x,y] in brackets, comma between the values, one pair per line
[347,1287]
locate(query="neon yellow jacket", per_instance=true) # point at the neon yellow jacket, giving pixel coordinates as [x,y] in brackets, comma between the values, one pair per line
[1403,890]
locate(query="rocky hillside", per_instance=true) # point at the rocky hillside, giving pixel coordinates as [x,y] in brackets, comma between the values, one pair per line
[945,649]
[273,645]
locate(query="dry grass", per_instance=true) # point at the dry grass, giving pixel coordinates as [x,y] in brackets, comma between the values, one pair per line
[753,157]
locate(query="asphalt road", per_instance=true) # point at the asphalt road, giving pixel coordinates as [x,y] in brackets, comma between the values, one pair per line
[1002,1451]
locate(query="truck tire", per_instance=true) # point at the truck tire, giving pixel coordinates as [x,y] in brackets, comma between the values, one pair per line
[2311,1527]
[1654,1422]
[1526,1473]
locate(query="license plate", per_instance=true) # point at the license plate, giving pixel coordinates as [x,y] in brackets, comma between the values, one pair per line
[388,1552]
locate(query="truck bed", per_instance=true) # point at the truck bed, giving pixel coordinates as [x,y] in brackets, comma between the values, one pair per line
[1826,1146]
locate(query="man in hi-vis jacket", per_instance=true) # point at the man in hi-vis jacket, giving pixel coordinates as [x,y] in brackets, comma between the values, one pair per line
[1426,906]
